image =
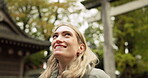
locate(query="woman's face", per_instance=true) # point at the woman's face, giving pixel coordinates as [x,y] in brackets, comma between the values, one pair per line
[65,43]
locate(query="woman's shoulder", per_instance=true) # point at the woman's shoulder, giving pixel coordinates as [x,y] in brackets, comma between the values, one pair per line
[96,73]
[99,73]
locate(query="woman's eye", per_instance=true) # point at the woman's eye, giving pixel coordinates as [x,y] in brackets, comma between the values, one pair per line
[67,34]
[54,36]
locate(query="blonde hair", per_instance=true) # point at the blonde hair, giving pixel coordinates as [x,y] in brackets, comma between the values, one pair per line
[79,66]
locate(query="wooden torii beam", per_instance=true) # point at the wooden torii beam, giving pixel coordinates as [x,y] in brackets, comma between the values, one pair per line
[127,7]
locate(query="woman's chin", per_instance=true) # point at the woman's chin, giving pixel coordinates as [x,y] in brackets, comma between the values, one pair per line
[57,53]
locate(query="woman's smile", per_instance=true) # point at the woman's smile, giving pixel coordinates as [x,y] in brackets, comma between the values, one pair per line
[59,47]
[71,57]
[65,44]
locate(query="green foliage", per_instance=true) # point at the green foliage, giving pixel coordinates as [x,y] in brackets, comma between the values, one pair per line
[129,32]
[132,28]
[124,60]
[37,18]
[35,59]
[39,15]
[93,35]
[141,46]
[120,2]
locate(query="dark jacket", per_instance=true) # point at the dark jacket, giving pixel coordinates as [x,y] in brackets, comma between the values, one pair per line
[92,73]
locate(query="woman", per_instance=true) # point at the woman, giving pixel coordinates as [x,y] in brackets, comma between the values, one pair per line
[71,57]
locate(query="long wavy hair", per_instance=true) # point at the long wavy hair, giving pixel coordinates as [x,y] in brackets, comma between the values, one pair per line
[79,66]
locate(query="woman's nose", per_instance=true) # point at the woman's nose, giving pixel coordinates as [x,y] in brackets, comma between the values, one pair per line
[59,39]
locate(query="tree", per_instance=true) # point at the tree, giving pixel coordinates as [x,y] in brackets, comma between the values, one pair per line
[130,31]
[94,35]
[130,38]
[37,18]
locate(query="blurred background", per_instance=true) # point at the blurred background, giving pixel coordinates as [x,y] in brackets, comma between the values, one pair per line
[33,21]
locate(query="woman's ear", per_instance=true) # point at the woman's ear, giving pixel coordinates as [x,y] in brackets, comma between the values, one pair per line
[81,48]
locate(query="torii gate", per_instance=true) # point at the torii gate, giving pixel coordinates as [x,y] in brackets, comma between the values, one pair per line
[109,62]
[127,7]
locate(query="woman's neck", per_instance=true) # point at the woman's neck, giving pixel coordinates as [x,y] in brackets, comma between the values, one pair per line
[62,67]
[63,64]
